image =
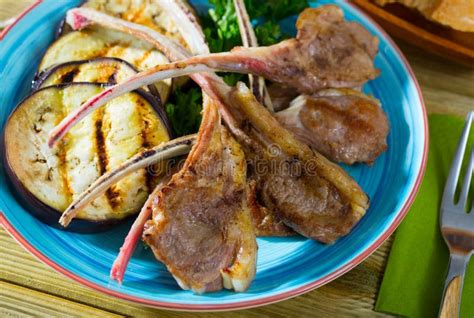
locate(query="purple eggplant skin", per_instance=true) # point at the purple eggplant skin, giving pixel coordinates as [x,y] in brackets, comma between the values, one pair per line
[47,214]
[44,75]
[62,28]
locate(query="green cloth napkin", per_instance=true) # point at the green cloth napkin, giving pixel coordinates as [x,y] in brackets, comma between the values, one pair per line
[414,278]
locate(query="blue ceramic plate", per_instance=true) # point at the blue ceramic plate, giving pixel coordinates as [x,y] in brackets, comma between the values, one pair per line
[286,266]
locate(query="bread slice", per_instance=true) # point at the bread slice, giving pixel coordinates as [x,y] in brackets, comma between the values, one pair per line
[458,14]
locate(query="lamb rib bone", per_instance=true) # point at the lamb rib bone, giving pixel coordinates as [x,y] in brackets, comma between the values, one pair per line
[249,39]
[187,24]
[245,109]
[134,235]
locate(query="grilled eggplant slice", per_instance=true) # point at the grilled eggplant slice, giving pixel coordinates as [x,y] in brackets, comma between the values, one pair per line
[144,12]
[99,42]
[47,180]
[99,70]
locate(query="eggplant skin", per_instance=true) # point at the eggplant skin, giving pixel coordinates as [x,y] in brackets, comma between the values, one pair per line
[102,70]
[67,72]
[45,181]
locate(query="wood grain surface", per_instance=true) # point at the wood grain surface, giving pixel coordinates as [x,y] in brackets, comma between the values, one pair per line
[10,8]
[30,288]
[450,307]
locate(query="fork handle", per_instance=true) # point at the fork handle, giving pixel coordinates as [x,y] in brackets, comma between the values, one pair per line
[453,288]
[452,299]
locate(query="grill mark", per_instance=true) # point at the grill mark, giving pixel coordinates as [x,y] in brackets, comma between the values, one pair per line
[113,77]
[111,195]
[69,76]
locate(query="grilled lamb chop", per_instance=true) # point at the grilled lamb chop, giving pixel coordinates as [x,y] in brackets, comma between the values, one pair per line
[201,227]
[342,124]
[313,196]
[328,52]
[319,200]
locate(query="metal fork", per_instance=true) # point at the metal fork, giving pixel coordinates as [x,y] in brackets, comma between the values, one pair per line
[457,226]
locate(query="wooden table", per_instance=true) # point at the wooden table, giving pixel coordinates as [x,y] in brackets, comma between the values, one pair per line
[28,287]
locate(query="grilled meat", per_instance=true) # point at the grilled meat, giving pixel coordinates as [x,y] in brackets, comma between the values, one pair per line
[313,196]
[342,124]
[327,52]
[265,222]
[321,31]
[201,227]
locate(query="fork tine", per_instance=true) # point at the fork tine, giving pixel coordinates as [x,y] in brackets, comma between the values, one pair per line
[450,187]
[467,182]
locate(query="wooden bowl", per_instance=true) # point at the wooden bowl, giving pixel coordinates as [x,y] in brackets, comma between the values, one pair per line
[411,26]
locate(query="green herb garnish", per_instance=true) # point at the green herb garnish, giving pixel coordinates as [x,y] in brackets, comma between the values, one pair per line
[268,33]
[280,9]
[184,110]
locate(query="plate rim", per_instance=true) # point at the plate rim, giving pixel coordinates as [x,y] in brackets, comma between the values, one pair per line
[269,299]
